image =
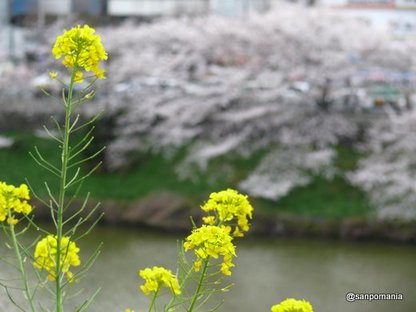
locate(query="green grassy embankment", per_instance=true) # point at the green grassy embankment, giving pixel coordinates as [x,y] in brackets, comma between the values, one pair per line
[153,173]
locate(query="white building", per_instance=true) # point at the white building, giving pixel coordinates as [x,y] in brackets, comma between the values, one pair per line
[188,7]
[401,14]
[3,12]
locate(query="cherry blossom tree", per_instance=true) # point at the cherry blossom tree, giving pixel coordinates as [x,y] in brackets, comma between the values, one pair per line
[388,173]
[295,82]
[288,82]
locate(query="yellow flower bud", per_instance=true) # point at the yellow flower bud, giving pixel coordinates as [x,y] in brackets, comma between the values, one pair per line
[53,75]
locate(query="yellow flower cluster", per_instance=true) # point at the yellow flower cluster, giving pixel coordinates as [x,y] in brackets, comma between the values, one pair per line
[82,49]
[13,200]
[45,256]
[229,207]
[211,241]
[157,278]
[292,305]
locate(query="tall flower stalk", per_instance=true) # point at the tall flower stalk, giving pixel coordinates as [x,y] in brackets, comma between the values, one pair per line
[82,50]
[56,253]
[62,191]
[13,203]
[21,267]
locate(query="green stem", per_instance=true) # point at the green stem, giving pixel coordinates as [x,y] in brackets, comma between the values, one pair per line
[153,301]
[183,283]
[201,280]
[21,265]
[62,190]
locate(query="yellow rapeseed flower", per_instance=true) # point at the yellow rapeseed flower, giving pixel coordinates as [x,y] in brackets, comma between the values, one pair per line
[229,208]
[13,200]
[211,241]
[45,256]
[157,278]
[292,305]
[81,49]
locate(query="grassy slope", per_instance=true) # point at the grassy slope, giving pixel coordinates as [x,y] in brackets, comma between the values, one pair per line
[154,173]
[334,198]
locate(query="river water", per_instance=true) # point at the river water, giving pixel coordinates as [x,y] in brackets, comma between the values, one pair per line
[267,271]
